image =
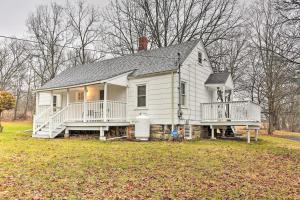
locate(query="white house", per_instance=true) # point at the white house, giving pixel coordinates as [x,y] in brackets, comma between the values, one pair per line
[174,86]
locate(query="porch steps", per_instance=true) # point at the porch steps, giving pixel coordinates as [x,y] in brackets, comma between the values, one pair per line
[44,132]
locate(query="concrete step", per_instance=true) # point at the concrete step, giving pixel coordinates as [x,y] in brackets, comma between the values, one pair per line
[41,134]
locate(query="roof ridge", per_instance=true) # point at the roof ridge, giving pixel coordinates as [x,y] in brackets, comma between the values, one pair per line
[146,62]
[141,52]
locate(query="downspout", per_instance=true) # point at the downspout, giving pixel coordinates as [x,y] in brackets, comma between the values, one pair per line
[172,97]
[179,112]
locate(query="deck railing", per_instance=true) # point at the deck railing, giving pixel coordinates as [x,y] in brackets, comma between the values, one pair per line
[237,111]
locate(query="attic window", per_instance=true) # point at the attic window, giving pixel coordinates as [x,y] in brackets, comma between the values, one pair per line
[200,57]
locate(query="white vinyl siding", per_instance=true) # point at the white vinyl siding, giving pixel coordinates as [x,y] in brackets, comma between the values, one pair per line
[195,75]
[158,98]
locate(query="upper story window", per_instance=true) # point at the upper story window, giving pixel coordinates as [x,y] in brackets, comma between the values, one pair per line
[141,96]
[183,93]
[200,57]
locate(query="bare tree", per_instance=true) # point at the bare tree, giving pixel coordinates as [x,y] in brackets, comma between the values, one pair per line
[85,25]
[12,59]
[289,11]
[169,22]
[48,28]
[277,73]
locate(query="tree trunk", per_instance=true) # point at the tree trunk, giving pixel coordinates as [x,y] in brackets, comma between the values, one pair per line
[1,127]
[271,124]
[16,108]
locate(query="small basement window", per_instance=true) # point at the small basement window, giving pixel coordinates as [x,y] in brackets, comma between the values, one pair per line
[141,96]
[200,57]
[183,93]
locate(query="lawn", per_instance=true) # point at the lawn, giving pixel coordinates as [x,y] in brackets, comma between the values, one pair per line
[90,169]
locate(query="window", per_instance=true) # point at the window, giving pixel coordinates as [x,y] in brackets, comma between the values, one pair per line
[183,93]
[80,96]
[54,101]
[200,57]
[141,96]
[101,95]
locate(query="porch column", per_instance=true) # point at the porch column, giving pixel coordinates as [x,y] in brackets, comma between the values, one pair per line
[102,135]
[68,97]
[248,136]
[223,132]
[256,134]
[105,103]
[212,133]
[224,95]
[224,108]
[37,102]
[51,102]
[84,103]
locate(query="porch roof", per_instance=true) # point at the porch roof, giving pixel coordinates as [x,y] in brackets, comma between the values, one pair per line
[219,79]
[142,63]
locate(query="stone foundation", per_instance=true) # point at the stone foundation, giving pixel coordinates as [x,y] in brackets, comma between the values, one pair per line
[163,132]
[199,132]
[160,132]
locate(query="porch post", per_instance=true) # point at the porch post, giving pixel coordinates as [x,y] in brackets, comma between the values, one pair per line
[68,97]
[224,95]
[256,134]
[102,135]
[105,103]
[212,133]
[224,108]
[223,132]
[37,102]
[84,103]
[248,136]
[51,102]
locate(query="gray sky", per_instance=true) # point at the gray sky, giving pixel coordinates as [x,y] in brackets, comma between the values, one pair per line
[13,14]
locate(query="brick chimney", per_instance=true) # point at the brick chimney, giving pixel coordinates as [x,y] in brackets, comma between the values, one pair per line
[143,43]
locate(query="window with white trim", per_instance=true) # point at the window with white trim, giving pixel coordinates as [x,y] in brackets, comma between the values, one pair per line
[141,96]
[183,93]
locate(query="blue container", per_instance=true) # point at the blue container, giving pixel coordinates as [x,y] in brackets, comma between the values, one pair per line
[174,134]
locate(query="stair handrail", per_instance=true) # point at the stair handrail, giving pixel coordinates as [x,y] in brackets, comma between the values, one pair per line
[52,125]
[41,115]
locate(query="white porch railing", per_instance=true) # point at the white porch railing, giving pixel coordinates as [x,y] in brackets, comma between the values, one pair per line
[115,111]
[237,111]
[41,119]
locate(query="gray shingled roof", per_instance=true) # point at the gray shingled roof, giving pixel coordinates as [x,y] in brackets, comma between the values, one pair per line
[218,78]
[142,63]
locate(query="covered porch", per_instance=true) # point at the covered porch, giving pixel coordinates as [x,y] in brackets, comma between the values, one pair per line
[97,106]
[100,102]
[223,111]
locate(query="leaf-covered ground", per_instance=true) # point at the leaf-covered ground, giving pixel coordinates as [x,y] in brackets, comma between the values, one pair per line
[90,169]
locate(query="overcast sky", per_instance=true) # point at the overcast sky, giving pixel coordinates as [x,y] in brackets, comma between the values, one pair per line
[13,14]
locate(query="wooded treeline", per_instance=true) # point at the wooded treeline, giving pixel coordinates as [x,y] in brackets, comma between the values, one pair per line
[259,43]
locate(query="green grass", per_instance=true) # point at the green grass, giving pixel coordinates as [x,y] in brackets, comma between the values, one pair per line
[90,169]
